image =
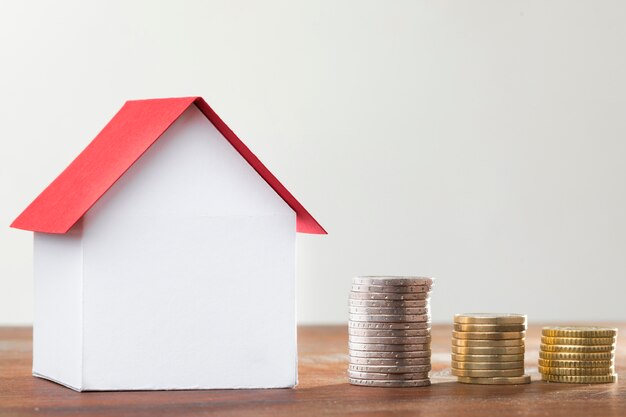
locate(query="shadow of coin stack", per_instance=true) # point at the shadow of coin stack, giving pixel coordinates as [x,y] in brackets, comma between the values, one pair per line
[488,348]
[578,355]
[389,331]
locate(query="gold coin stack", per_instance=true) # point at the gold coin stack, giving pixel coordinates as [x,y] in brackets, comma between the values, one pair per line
[488,348]
[578,355]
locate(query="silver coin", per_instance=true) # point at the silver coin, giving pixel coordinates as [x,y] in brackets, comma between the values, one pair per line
[390,361]
[390,383]
[410,340]
[389,326]
[402,369]
[374,375]
[378,347]
[387,333]
[391,281]
[389,355]
[388,310]
[389,296]
[390,303]
[390,289]
[390,318]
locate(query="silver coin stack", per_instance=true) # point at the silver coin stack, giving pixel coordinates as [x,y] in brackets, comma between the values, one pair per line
[389,331]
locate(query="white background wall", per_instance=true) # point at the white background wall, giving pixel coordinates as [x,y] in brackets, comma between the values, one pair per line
[481,142]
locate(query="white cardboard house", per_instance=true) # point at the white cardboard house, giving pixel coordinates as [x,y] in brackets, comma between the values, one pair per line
[164,258]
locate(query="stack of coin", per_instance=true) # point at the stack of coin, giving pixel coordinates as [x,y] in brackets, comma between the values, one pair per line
[580,355]
[489,348]
[389,331]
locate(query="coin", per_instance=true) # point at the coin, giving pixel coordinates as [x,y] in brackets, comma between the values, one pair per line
[390,362]
[389,296]
[402,369]
[389,303]
[488,365]
[578,348]
[374,375]
[576,356]
[387,333]
[498,380]
[378,347]
[488,335]
[487,358]
[396,289]
[390,318]
[487,373]
[577,340]
[389,326]
[488,350]
[583,379]
[487,343]
[489,327]
[579,331]
[410,340]
[392,280]
[388,310]
[490,318]
[414,354]
[390,383]
[575,364]
[576,371]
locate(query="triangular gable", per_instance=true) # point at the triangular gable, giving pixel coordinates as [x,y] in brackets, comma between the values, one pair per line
[115,149]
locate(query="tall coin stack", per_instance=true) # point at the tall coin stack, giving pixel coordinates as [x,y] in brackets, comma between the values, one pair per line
[489,348]
[389,331]
[579,355]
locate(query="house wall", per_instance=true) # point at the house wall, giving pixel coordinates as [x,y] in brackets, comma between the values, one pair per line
[189,273]
[57,331]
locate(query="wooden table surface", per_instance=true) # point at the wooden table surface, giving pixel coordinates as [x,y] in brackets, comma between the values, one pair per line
[323,389]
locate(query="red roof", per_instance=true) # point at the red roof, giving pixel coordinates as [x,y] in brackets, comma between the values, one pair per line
[123,140]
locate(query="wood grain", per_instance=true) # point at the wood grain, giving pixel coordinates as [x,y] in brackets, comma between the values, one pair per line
[323,389]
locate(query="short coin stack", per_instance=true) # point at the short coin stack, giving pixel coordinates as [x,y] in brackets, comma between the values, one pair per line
[389,331]
[489,348]
[579,355]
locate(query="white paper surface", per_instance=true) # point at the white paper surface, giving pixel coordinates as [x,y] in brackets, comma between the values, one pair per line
[57,330]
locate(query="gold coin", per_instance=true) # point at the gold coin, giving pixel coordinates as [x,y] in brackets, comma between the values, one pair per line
[487,343]
[498,380]
[586,341]
[487,373]
[577,356]
[487,358]
[489,327]
[488,365]
[585,379]
[550,363]
[576,371]
[512,350]
[490,318]
[579,331]
[488,335]
[578,348]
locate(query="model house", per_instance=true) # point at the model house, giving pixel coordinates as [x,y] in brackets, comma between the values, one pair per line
[164,258]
